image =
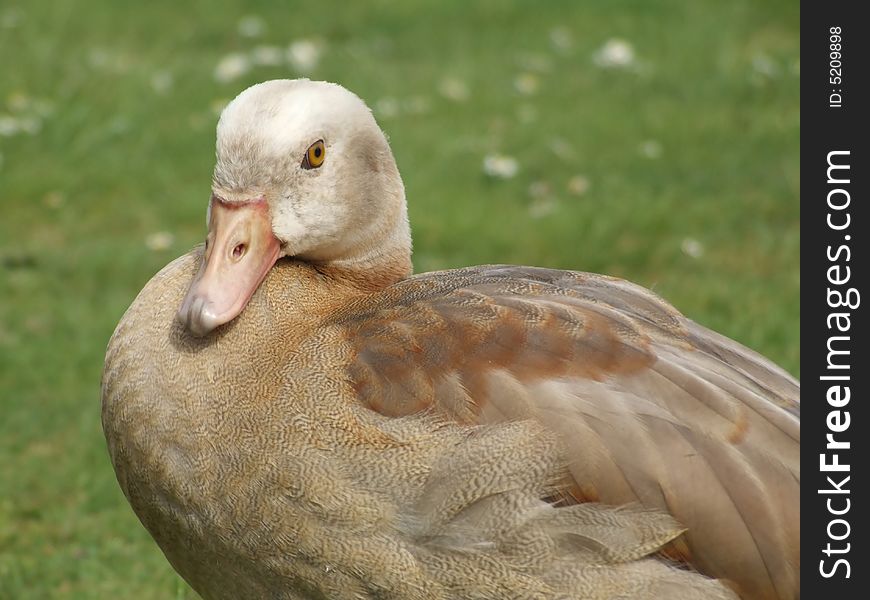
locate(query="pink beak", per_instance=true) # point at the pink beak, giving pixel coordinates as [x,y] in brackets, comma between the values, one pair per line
[240,250]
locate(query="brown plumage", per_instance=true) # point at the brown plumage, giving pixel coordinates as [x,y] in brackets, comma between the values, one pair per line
[347,431]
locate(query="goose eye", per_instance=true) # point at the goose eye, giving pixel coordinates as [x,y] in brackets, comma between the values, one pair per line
[314,156]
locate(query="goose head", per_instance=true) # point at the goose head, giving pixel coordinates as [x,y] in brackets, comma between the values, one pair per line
[302,171]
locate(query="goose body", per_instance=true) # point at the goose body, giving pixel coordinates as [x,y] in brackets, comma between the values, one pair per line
[292,414]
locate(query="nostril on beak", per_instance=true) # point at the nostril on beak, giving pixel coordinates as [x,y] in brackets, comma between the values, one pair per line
[239,251]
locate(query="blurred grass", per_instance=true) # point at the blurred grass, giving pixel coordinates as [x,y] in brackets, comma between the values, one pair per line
[106,137]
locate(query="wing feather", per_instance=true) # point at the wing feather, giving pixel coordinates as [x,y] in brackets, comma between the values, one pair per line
[649,406]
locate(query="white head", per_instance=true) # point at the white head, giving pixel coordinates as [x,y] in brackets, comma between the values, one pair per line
[302,170]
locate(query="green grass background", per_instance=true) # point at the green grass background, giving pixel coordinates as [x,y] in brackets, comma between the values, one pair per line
[107,114]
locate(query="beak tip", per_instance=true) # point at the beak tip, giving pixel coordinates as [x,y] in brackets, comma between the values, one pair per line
[197,317]
[227,279]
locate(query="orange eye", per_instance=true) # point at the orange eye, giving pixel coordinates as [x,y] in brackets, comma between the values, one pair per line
[314,156]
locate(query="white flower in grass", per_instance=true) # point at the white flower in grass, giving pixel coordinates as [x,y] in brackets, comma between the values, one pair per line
[562,148]
[26,114]
[614,54]
[764,65]
[18,101]
[11,18]
[159,240]
[162,81]
[526,83]
[500,166]
[561,39]
[267,56]
[11,125]
[24,106]
[109,60]
[118,125]
[54,199]
[8,125]
[543,203]
[97,58]
[454,89]
[692,248]
[539,189]
[30,124]
[651,149]
[416,105]
[578,185]
[387,107]
[541,207]
[232,66]
[251,26]
[304,55]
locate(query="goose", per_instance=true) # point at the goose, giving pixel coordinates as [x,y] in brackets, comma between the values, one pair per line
[292,414]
